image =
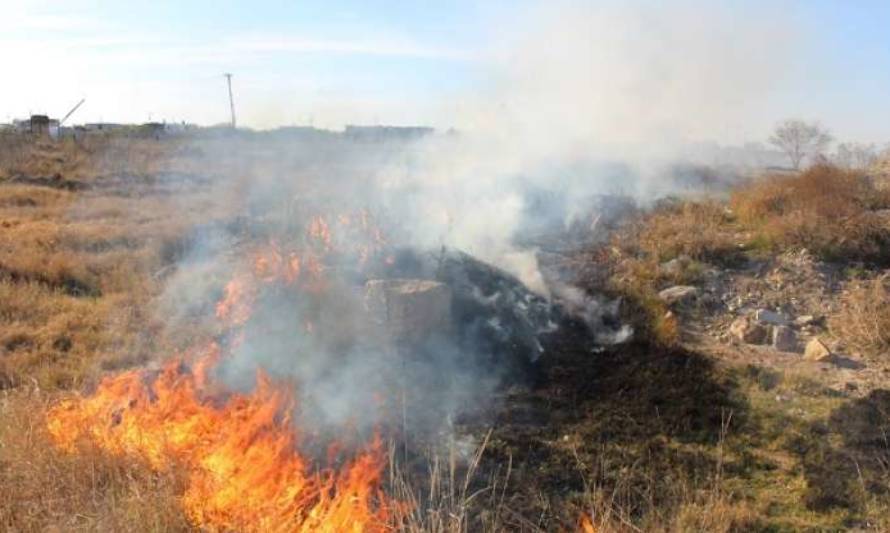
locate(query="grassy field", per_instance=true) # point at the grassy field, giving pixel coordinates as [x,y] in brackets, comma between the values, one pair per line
[663,434]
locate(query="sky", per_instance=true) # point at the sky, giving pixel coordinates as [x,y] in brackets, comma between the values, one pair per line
[334,62]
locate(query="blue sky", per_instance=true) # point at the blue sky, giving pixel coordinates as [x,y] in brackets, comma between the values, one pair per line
[335,62]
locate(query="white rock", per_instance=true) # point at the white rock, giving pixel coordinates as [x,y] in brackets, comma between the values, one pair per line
[765,316]
[678,294]
[804,320]
[816,350]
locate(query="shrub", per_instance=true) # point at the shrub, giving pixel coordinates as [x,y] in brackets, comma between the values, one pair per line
[826,209]
[698,230]
[864,319]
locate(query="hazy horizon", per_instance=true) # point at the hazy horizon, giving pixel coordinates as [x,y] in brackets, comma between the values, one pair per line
[613,72]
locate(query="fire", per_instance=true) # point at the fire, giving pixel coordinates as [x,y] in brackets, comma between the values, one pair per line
[240,453]
[244,469]
[235,307]
[320,232]
[586,525]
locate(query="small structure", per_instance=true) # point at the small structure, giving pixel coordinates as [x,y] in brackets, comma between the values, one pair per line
[43,126]
[38,125]
[152,129]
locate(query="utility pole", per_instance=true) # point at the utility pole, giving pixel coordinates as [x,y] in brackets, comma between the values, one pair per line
[231,100]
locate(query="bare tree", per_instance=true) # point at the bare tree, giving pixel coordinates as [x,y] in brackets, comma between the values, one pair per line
[799,139]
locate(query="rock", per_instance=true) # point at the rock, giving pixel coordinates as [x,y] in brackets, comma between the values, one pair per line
[765,316]
[747,331]
[678,294]
[816,350]
[674,267]
[804,321]
[784,339]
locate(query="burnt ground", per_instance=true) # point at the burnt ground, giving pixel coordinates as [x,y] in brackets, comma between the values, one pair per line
[626,420]
[644,434]
[704,434]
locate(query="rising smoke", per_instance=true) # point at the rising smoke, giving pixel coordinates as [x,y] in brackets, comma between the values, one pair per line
[585,102]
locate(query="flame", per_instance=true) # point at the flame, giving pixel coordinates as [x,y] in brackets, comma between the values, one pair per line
[236,305]
[320,232]
[585,525]
[244,469]
[240,453]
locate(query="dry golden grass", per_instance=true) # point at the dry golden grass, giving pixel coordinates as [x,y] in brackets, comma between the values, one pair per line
[699,230]
[44,489]
[832,212]
[78,269]
[85,158]
[863,321]
[690,233]
[825,209]
[78,274]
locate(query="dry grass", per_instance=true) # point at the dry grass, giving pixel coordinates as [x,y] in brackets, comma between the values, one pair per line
[76,279]
[699,230]
[825,209]
[864,319]
[46,490]
[688,233]
[78,273]
[86,157]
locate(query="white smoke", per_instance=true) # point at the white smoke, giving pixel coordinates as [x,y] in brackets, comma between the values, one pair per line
[584,100]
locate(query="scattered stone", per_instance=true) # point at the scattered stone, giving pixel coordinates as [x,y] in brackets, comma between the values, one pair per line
[674,267]
[765,316]
[816,350]
[678,294]
[784,339]
[747,331]
[804,321]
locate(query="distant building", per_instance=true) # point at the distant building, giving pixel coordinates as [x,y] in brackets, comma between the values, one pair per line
[38,125]
[387,133]
[102,126]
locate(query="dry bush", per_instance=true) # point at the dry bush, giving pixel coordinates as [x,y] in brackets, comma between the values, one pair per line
[864,319]
[44,489]
[825,209]
[692,233]
[700,230]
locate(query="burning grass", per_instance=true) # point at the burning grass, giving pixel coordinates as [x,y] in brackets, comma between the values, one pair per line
[645,437]
[45,489]
[239,456]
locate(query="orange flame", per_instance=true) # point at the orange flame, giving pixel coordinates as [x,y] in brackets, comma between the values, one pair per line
[236,305]
[240,452]
[586,525]
[319,230]
[243,467]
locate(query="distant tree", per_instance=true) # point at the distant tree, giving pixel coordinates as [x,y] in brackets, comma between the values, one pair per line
[855,155]
[799,139]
